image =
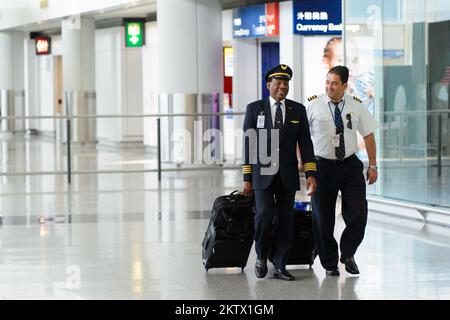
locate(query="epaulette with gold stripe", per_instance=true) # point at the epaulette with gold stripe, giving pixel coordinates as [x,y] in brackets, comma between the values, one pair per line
[312,98]
[246,169]
[357,99]
[310,166]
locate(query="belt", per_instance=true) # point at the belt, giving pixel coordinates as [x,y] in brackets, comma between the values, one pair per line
[335,161]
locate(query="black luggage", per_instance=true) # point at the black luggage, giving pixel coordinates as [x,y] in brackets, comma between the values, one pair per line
[303,249]
[229,236]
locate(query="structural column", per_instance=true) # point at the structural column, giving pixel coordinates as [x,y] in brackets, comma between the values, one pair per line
[78,43]
[291,51]
[12,79]
[190,71]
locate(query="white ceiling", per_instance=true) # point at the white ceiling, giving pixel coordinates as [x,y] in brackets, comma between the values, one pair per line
[140,11]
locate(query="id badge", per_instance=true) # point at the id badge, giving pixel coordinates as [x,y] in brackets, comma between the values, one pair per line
[261,120]
[335,141]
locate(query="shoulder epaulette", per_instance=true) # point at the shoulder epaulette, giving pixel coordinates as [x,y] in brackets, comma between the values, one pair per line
[312,98]
[357,99]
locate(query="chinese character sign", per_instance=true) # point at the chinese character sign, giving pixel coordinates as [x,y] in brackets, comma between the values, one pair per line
[318,17]
[43,45]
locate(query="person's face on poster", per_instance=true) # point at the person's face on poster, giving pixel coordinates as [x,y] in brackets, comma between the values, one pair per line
[334,56]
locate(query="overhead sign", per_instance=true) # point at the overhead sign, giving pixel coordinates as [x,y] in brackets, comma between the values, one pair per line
[43,45]
[134,32]
[256,21]
[318,17]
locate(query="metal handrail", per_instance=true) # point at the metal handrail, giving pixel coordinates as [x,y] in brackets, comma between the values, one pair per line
[159,169]
[414,112]
[162,115]
[100,116]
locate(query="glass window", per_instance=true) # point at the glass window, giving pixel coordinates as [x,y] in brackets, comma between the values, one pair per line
[398,53]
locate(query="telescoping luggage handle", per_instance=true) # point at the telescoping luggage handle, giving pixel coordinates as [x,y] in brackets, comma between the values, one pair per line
[232,196]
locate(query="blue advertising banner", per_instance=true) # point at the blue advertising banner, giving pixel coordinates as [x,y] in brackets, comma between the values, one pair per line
[318,17]
[256,21]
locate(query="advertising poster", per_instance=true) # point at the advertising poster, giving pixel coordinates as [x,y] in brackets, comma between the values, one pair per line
[324,52]
[256,21]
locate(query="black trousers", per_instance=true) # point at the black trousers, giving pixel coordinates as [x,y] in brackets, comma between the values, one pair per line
[273,202]
[348,178]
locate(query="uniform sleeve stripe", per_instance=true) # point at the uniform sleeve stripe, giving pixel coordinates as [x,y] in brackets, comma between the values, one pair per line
[310,166]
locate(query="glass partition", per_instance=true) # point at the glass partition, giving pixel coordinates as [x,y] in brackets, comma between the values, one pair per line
[398,53]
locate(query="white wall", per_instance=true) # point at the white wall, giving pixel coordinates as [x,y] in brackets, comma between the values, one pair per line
[6,57]
[119,88]
[57,46]
[209,47]
[245,77]
[45,87]
[227,25]
[177,49]
[132,94]
[108,82]
[39,91]
[290,50]
[150,83]
[31,84]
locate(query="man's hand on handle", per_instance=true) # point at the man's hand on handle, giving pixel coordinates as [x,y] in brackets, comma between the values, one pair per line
[247,188]
[311,186]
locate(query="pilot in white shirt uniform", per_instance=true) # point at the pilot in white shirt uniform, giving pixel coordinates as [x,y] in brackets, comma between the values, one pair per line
[334,119]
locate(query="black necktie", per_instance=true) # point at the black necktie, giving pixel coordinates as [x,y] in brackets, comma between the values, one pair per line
[340,151]
[278,116]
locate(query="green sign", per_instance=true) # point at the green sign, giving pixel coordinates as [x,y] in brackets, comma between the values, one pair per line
[134,33]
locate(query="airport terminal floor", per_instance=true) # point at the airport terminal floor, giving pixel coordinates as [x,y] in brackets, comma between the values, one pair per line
[125,236]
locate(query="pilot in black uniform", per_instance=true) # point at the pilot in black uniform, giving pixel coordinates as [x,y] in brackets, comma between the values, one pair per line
[272,129]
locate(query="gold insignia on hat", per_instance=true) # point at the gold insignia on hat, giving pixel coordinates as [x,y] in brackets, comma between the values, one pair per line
[279,74]
[283,66]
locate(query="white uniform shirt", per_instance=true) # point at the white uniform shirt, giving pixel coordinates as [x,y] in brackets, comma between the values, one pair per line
[320,113]
[273,109]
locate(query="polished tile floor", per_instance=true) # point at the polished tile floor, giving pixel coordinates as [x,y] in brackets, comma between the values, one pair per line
[124,236]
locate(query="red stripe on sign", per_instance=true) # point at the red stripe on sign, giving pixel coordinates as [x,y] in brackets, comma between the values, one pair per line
[272,19]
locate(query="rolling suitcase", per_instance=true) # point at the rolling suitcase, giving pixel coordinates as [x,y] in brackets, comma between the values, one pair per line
[303,249]
[229,236]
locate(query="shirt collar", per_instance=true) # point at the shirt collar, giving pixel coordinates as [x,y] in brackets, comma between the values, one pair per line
[329,99]
[272,101]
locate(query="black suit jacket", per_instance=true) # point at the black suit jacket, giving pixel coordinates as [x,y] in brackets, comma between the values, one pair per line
[262,163]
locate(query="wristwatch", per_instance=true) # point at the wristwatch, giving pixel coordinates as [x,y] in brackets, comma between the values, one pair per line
[373,167]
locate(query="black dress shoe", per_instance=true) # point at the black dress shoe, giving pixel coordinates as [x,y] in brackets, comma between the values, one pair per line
[260,268]
[350,265]
[283,274]
[332,271]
